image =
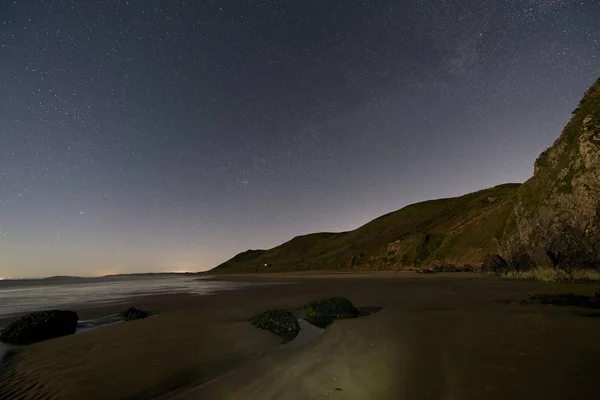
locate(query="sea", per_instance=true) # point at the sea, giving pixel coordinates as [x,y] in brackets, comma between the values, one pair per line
[26,295]
[19,297]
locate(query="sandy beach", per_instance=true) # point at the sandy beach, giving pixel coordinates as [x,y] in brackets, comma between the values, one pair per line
[443,336]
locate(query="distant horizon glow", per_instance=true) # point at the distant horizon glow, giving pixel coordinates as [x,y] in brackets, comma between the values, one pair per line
[147,136]
[17,278]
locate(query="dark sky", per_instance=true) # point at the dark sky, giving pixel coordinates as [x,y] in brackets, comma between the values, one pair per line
[170,135]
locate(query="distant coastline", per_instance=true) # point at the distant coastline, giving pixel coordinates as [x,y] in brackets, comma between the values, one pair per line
[65,278]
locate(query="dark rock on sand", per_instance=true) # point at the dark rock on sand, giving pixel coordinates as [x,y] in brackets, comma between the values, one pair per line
[563,299]
[494,263]
[133,313]
[446,268]
[278,321]
[40,326]
[426,271]
[323,312]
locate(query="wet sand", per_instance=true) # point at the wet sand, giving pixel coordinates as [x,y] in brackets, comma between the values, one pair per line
[443,336]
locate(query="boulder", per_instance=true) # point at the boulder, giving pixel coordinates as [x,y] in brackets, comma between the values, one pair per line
[277,321]
[38,326]
[426,271]
[133,313]
[446,268]
[494,263]
[322,312]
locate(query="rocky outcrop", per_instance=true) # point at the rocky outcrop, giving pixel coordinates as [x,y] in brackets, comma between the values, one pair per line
[38,326]
[557,215]
[493,263]
[278,321]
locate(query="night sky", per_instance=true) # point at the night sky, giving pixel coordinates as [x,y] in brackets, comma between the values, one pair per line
[171,135]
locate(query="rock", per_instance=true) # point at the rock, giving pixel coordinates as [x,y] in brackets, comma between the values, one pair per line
[277,321]
[557,215]
[38,326]
[562,299]
[133,313]
[426,271]
[595,301]
[323,312]
[447,268]
[494,263]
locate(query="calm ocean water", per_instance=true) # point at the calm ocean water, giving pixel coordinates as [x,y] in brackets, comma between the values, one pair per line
[20,296]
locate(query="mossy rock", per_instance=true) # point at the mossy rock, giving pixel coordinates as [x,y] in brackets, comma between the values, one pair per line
[278,321]
[323,312]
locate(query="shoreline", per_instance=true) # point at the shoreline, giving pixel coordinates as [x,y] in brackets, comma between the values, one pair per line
[87,312]
[435,337]
[97,308]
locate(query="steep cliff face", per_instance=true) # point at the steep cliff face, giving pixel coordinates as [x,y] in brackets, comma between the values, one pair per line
[557,213]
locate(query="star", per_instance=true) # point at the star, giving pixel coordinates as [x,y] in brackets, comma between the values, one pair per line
[121,124]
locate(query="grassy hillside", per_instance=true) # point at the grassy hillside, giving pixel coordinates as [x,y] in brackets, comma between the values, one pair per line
[551,221]
[459,231]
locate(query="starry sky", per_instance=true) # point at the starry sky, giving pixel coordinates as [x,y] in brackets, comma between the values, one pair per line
[170,135]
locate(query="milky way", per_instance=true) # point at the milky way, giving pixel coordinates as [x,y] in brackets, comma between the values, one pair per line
[170,135]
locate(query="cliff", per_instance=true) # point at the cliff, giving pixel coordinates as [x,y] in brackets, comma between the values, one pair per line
[557,211]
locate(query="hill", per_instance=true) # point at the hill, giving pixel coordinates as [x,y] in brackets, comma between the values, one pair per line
[457,231]
[552,220]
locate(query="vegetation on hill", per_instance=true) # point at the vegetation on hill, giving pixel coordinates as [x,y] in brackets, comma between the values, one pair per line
[459,231]
[550,222]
